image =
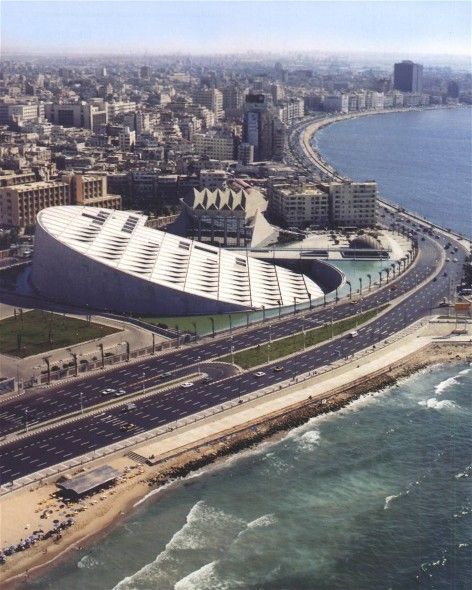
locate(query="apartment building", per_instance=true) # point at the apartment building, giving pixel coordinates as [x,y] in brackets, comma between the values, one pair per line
[78,114]
[20,203]
[212,99]
[299,203]
[352,204]
[215,145]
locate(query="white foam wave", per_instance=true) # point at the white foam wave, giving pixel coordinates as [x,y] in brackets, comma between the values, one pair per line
[310,439]
[446,384]
[465,372]
[390,499]
[87,562]
[206,529]
[435,404]
[263,521]
[464,474]
[202,579]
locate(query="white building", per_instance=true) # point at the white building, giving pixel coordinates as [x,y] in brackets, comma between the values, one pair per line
[299,204]
[111,260]
[353,204]
[336,103]
[127,139]
[215,145]
[213,179]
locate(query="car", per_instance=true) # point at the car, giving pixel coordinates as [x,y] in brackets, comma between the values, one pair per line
[186,384]
[108,391]
[207,379]
[259,374]
[454,260]
[119,392]
[277,369]
[129,407]
[127,426]
[352,334]
[165,375]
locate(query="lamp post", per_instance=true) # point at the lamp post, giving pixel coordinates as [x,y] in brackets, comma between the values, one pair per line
[232,353]
[212,327]
[48,366]
[269,344]
[198,364]
[360,286]
[303,332]
[26,419]
[76,368]
[263,313]
[370,280]
[81,395]
[230,324]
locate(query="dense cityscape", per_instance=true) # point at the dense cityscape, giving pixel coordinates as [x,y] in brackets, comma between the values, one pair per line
[189,267]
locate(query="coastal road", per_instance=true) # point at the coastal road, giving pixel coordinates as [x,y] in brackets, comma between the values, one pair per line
[45,449]
[66,398]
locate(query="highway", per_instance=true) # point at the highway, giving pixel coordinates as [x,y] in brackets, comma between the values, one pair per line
[44,449]
[65,398]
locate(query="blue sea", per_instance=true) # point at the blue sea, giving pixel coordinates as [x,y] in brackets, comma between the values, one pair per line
[420,159]
[376,496]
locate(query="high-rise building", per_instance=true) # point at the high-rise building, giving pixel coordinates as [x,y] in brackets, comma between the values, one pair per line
[258,126]
[453,89]
[408,77]
[78,114]
[144,72]
[212,99]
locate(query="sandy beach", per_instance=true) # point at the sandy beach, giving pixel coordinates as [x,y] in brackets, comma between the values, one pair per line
[20,512]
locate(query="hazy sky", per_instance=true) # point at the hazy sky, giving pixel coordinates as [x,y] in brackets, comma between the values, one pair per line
[401,27]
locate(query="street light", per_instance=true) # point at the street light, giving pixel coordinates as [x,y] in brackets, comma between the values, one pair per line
[212,326]
[198,364]
[26,419]
[81,395]
[360,285]
[269,344]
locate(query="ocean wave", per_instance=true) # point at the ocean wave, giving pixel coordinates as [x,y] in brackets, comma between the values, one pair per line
[446,384]
[263,521]
[464,511]
[207,530]
[464,474]
[87,562]
[202,579]
[464,372]
[311,438]
[435,404]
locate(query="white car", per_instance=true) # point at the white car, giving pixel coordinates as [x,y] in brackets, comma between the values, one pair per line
[108,391]
[259,374]
[119,392]
[186,385]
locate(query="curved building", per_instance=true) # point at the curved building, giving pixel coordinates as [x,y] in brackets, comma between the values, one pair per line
[110,260]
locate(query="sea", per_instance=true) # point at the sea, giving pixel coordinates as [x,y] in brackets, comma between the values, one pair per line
[377,496]
[421,160]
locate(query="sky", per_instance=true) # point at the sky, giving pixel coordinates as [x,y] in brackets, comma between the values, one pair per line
[202,27]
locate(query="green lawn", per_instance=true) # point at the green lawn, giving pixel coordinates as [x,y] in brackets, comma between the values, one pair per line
[261,354]
[37,331]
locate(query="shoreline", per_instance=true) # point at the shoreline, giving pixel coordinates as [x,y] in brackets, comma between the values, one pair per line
[152,481]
